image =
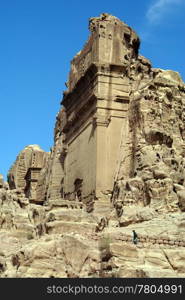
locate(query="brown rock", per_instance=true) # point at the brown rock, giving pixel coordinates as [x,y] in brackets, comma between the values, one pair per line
[24,174]
[118,161]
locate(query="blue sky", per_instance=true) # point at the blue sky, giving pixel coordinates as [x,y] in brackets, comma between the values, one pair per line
[38,40]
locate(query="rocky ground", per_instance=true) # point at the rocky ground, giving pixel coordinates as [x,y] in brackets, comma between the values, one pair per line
[56,241]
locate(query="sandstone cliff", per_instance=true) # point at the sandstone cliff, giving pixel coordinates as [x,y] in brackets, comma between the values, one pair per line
[72,212]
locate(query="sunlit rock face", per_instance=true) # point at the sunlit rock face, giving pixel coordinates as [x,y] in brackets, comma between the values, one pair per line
[108,200]
[25,172]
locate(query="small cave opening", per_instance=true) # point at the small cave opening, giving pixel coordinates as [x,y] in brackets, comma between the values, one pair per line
[157,137]
[181,181]
[127,186]
[136,45]
[2,268]
[139,69]
[127,39]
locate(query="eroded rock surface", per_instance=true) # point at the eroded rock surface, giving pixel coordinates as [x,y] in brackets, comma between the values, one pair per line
[117,165]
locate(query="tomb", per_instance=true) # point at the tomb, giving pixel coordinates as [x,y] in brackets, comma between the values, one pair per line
[96,105]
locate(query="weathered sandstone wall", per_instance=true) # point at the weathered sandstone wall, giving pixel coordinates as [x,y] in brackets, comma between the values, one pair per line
[117,165]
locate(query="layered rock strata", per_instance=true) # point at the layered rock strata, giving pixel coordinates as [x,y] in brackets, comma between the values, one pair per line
[117,165]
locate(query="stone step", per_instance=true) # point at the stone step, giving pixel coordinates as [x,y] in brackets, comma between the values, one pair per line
[60,227]
[66,204]
[70,215]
